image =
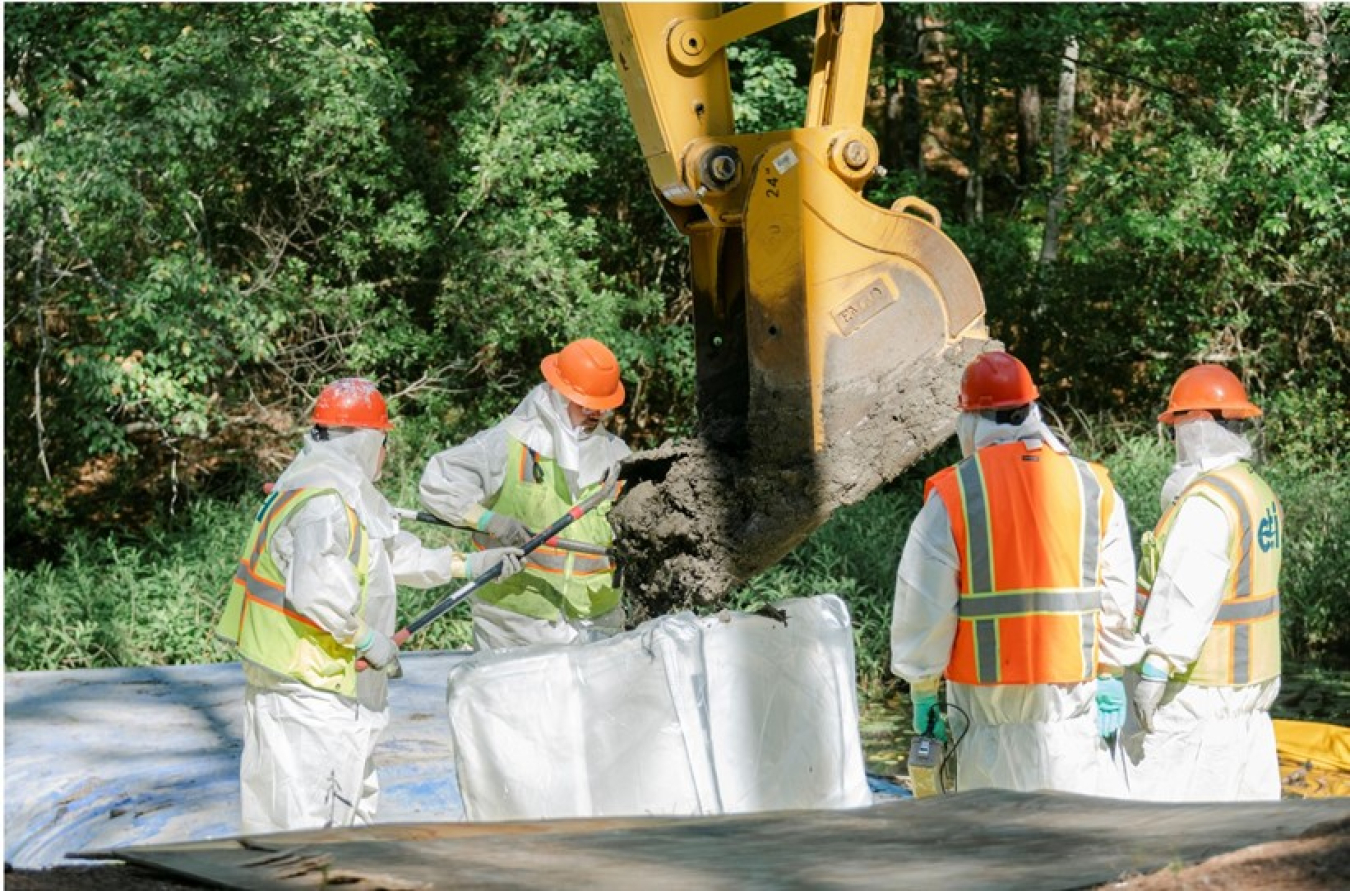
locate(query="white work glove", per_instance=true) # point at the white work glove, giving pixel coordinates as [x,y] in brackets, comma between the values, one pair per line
[1148,693]
[510,559]
[381,652]
[506,529]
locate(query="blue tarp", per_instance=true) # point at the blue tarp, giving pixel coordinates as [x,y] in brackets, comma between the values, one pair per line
[105,758]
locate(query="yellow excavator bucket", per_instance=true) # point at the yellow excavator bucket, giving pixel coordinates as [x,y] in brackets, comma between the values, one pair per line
[843,300]
[830,332]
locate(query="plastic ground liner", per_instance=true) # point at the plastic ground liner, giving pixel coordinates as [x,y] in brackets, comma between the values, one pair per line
[103,758]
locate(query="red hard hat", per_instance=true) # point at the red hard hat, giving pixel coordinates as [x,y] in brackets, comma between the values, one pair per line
[996,380]
[352,402]
[1209,388]
[586,372]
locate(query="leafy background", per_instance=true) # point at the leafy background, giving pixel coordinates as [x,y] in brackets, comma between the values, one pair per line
[213,209]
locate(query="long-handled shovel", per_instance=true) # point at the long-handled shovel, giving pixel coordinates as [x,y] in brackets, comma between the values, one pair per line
[459,595]
[565,544]
[421,516]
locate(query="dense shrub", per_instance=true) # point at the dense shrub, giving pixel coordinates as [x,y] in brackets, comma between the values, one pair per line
[212,209]
[155,601]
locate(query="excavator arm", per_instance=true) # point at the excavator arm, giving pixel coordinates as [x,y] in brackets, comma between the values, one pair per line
[830,333]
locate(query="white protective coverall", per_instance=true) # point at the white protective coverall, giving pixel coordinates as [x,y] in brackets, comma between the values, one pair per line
[457,480]
[307,752]
[1017,736]
[1207,743]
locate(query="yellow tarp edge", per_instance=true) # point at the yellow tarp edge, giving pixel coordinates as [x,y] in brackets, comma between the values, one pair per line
[1326,746]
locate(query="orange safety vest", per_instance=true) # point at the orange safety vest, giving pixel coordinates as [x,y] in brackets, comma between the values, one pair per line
[1028,526]
[1243,645]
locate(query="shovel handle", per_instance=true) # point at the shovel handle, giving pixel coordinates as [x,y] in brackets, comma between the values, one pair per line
[460,594]
[565,544]
[400,638]
[574,513]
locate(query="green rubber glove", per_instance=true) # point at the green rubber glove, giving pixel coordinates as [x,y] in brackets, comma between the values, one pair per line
[928,718]
[1110,705]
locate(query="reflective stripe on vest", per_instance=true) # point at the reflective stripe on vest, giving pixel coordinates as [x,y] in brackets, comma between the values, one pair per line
[554,582]
[1028,530]
[261,621]
[1243,645]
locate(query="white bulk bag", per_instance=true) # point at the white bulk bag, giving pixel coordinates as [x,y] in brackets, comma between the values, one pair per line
[682,715]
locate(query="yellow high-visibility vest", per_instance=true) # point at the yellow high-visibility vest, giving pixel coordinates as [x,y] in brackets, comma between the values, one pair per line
[554,582]
[1243,646]
[261,621]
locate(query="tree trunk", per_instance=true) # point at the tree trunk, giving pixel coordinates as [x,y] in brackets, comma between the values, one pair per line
[1059,150]
[971,94]
[1319,87]
[902,132]
[1028,134]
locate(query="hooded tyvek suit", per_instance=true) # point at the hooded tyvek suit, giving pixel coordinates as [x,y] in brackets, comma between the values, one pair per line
[1208,743]
[459,480]
[1018,736]
[307,752]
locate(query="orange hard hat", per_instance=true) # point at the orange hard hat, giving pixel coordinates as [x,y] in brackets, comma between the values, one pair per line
[352,402]
[1209,388]
[586,372]
[996,380]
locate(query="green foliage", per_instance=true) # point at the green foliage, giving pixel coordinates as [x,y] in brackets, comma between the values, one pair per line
[1315,612]
[109,604]
[201,202]
[1215,233]
[1138,463]
[541,226]
[213,209]
[767,93]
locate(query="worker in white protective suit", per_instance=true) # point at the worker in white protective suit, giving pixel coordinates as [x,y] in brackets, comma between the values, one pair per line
[519,476]
[1209,610]
[314,593]
[1015,583]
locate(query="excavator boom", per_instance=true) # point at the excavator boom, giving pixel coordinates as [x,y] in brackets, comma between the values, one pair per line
[830,333]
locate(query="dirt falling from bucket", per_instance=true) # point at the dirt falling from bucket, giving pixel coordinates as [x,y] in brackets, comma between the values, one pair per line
[695,521]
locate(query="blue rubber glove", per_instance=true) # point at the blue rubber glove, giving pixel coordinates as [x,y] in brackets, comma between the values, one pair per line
[926,710]
[1110,705]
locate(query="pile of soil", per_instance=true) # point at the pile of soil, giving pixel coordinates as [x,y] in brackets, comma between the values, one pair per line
[700,517]
[1317,860]
[112,877]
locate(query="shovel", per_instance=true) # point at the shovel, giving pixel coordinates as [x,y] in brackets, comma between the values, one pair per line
[566,544]
[421,516]
[459,595]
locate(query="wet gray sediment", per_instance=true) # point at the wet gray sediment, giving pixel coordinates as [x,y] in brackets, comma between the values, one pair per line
[696,519]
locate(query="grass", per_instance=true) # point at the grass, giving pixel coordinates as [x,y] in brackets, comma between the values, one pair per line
[152,598]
